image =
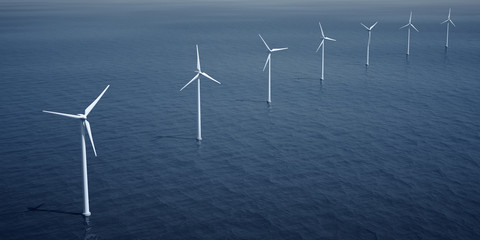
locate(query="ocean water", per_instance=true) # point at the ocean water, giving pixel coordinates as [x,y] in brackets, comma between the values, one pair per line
[391,151]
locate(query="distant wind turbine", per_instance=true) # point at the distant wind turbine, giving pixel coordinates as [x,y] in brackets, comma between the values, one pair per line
[369,29]
[269,62]
[448,21]
[84,124]
[322,45]
[409,25]
[197,77]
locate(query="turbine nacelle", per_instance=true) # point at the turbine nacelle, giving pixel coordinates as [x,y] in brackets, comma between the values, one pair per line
[323,35]
[199,72]
[409,24]
[448,18]
[323,38]
[83,117]
[270,50]
[369,28]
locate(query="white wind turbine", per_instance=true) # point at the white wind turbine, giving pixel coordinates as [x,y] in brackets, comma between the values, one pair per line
[197,77]
[369,29]
[448,21]
[322,45]
[269,62]
[409,25]
[84,124]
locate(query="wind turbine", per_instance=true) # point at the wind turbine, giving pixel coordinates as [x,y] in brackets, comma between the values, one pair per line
[84,124]
[197,77]
[409,25]
[322,45]
[269,62]
[369,29]
[448,21]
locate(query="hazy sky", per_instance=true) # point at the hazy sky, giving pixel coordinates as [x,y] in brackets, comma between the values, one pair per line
[290,2]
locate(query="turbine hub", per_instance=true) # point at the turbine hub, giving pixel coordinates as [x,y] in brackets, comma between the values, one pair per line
[82,116]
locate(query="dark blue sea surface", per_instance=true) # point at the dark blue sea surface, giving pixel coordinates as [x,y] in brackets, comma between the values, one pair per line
[391,151]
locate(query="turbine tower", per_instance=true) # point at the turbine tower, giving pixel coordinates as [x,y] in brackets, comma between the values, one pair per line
[448,21]
[84,124]
[269,62]
[369,29]
[322,45]
[409,25]
[197,77]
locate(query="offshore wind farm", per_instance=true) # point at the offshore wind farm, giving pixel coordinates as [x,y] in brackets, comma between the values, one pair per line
[388,151]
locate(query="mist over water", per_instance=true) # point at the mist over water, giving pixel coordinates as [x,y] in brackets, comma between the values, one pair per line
[384,152]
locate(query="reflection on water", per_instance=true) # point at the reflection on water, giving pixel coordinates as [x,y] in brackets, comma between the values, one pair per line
[89,234]
[445,55]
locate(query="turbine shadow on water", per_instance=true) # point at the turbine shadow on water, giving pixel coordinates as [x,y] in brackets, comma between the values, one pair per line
[248,100]
[306,78]
[172,136]
[88,233]
[37,209]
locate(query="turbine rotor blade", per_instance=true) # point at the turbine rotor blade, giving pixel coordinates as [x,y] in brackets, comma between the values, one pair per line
[268,59]
[452,23]
[279,49]
[321,29]
[414,27]
[266,45]
[198,60]
[63,114]
[373,25]
[331,39]
[193,79]
[410,21]
[89,131]
[364,26]
[319,46]
[92,105]
[208,76]
[404,26]
[445,21]
[449,11]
